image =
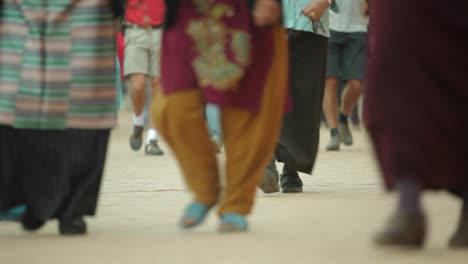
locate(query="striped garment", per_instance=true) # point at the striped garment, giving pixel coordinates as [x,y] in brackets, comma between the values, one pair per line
[57,64]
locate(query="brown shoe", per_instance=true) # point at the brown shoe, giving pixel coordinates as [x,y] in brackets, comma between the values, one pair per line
[460,238]
[403,230]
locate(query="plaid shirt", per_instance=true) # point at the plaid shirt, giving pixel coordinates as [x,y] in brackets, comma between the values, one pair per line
[59,74]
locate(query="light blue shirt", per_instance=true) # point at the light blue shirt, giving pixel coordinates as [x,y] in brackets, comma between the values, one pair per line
[293,19]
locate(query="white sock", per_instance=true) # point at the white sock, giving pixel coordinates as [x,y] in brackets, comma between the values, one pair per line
[152,134]
[139,120]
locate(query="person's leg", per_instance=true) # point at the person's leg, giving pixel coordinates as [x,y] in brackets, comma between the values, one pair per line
[136,69]
[330,98]
[248,147]
[154,46]
[180,120]
[151,144]
[213,118]
[330,108]
[353,71]
[301,127]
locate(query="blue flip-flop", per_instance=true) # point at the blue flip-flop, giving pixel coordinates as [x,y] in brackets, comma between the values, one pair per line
[13,214]
[194,214]
[231,222]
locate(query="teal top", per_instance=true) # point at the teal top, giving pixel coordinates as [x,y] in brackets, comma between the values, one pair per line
[293,19]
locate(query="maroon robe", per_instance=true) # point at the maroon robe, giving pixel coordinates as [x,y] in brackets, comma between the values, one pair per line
[176,59]
[416,94]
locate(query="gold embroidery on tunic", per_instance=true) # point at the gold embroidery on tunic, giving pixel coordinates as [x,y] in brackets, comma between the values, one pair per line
[211,36]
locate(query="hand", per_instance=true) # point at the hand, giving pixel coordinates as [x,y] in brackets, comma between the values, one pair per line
[315,9]
[266,12]
[365,7]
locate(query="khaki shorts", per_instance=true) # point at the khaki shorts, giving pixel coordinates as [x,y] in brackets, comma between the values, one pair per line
[142,51]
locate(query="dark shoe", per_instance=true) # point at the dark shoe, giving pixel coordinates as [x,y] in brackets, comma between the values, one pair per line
[136,139]
[269,182]
[153,149]
[75,226]
[403,230]
[345,134]
[460,238]
[290,182]
[334,144]
[30,221]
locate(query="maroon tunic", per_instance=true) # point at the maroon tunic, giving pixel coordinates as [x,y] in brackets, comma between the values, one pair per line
[179,50]
[417,91]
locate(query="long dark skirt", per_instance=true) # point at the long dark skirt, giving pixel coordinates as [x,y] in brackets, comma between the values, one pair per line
[301,127]
[55,173]
[417,91]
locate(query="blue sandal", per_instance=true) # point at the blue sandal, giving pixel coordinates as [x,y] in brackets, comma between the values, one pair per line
[14,214]
[232,222]
[194,215]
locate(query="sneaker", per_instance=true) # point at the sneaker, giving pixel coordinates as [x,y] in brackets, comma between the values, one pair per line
[136,139]
[290,182]
[334,144]
[269,182]
[153,149]
[345,134]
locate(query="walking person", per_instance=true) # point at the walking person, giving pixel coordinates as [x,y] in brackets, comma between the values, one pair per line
[246,77]
[57,106]
[307,23]
[345,61]
[416,93]
[143,28]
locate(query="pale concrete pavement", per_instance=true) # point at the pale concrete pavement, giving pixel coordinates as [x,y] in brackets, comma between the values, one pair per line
[331,222]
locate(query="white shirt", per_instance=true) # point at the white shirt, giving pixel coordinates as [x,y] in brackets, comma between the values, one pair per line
[350,18]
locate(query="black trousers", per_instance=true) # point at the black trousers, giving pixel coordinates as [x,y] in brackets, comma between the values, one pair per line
[55,173]
[299,139]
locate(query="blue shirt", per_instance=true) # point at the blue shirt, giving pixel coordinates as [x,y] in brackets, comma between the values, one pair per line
[293,19]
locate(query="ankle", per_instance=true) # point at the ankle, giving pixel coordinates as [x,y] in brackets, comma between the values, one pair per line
[334,132]
[343,118]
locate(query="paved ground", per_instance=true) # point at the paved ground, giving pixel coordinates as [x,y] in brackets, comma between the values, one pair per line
[331,222]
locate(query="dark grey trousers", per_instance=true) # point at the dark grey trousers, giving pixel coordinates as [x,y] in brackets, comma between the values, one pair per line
[299,139]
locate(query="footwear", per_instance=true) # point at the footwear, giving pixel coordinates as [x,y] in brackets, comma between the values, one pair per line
[217,144]
[290,182]
[30,221]
[403,230]
[194,215]
[269,182]
[231,222]
[75,226]
[13,214]
[334,144]
[460,237]
[153,149]
[345,134]
[136,139]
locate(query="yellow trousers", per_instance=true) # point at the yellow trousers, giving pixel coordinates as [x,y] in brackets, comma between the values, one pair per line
[249,137]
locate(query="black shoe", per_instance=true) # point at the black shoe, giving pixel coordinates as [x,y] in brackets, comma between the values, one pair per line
[30,221]
[269,182]
[136,139]
[403,230]
[290,181]
[75,226]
